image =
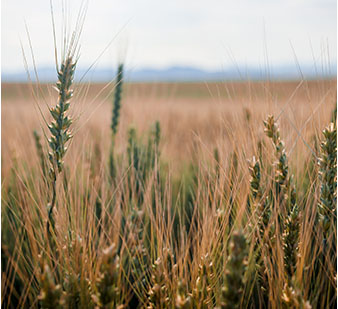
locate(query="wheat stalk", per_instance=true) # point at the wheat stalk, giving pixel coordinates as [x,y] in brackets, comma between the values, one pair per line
[59,129]
[117,100]
[282,168]
[115,118]
[327,206]
[285,195]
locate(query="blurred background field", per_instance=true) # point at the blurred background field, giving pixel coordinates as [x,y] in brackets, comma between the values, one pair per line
[193,116]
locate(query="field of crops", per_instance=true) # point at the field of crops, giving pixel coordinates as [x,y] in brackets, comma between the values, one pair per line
[175,195]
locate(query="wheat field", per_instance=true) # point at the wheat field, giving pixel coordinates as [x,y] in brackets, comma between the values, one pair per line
[203,115]
[203,195]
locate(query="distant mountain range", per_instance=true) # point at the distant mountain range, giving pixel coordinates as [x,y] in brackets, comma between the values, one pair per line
[183,74]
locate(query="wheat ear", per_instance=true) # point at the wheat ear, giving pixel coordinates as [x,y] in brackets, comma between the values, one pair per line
[285,194]
[117,99]
[115,118]
[59,129]
[327,206]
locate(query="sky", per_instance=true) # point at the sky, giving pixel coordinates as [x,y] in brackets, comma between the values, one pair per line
[209,34]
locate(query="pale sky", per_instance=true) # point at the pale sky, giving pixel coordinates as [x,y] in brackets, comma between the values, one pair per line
[155,33]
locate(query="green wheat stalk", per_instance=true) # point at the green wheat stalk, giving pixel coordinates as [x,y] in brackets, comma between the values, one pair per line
[59,129]
[115,118]
[282,168]
[117,99]
[285,195]
[291,236]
